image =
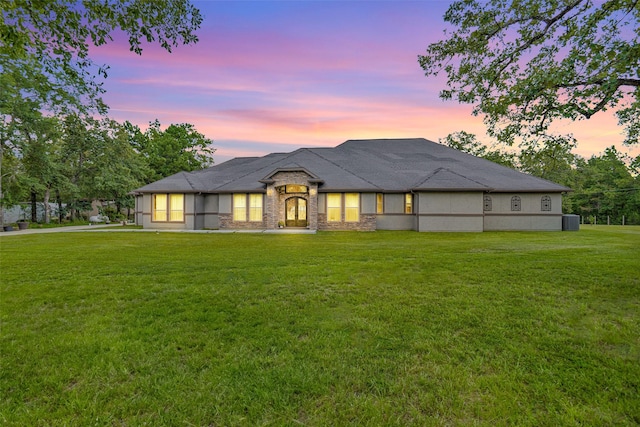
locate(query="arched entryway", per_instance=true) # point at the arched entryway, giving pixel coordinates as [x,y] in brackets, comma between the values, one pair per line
[296,212]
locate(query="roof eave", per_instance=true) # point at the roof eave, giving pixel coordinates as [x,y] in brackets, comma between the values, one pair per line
[452,190]
[531,190]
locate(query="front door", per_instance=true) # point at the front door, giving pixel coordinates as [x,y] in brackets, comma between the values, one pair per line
[296,208]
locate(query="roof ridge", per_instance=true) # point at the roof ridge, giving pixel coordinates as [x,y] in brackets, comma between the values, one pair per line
[257,158]
[417,185]
[338,166]
[188,175]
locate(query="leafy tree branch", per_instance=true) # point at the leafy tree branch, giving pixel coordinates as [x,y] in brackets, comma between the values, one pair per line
[523,65]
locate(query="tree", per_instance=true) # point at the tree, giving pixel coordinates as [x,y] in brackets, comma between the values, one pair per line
[608,188]
[83,143]
[551,159]
[47,43]
[178,148]
[524,64]
[468,143]
[119,168]
[44,53]
[41,161]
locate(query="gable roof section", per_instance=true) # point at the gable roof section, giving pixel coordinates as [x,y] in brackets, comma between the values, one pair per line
[445,180]
[182,182]
[396,164]
[378,165]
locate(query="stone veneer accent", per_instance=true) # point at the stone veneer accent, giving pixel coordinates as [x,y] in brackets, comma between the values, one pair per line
[366,223]
[274,207]
[276,197]
[226,222]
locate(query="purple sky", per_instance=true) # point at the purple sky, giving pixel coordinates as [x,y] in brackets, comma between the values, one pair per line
[273,76]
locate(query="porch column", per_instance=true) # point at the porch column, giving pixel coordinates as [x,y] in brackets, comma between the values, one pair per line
[271,207]
[312,208]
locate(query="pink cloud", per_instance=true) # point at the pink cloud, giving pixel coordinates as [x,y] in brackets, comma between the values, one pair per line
[298,75]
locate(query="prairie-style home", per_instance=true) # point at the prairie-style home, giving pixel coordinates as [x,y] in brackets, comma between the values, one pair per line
[378,184]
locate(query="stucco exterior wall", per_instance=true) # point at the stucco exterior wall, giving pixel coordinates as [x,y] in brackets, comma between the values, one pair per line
[522,222]
[394,203]
[224,203]
[449,211]
[368,203]
[450,223]
[529,217]
[396,222]
[189,215]
[198,212]
[139,212]
[210,212]
[433,211]
[322,203]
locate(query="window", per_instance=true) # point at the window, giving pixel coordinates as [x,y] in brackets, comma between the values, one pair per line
[176,206]
[255,207]
[487,203]
[168,207]
[545,203]
[352,207]
[516,203]
[379,203]
[334,207]
[295,188]
[408,203]
[160,207]
[240,207]
[247,204]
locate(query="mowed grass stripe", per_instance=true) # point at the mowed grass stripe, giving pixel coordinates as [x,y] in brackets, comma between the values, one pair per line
[384,328]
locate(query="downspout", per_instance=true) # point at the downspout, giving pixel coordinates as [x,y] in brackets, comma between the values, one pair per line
[195,214]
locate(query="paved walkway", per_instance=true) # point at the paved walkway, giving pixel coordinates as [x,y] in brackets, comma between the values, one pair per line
[118,227]
[99,227]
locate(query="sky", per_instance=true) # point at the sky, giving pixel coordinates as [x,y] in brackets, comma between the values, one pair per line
[274,76]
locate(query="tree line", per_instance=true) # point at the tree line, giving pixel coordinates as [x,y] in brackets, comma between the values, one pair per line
[522,65]
[73,160]
[604,186]
[51,146]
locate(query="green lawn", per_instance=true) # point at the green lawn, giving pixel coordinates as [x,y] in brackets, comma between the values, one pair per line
[384,328]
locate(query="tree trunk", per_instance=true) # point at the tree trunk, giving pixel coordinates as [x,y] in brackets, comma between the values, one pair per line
[47,208]
[34,207]
[60,216]
[1,197]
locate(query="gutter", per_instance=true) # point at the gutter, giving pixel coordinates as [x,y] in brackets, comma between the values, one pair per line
[195,213]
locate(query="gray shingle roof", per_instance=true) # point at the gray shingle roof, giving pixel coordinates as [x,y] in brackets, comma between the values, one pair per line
[377,165]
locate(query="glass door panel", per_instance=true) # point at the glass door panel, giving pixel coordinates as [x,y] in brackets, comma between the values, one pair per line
[296,212]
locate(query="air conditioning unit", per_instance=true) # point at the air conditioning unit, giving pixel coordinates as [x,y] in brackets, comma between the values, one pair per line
[570,222]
